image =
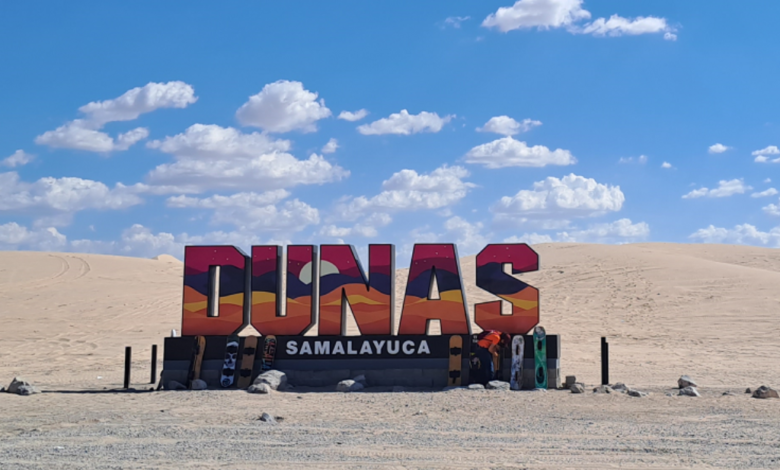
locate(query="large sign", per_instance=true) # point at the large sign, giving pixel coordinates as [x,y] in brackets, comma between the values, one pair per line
[225,290]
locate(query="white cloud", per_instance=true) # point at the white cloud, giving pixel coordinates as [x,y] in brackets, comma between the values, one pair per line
[366,228]
[283,106]
[330,147]
[254,211]
[505,125]
[772,209]
[61,197]
[214,157]
[352,117]
[768,180]
[718,148]
[407,190]
[724,189]
[19,158]
[16,237]
[761,155]
[744,234]
[765,193]
[620,231]
[553,198]
[506,151]
[551,14]
[666,165]
[404,123]
[467,236]
[642,159]
[530,238]
[85,134]
[455,21]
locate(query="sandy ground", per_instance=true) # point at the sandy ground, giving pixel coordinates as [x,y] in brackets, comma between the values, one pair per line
[709,311]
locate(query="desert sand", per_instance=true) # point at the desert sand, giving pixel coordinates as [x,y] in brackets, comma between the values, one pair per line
[709,311]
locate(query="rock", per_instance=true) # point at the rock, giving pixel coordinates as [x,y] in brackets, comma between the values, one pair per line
[476,387]
[603,389]
[620,387]
[275,379]
[570,380]
[261,388]
[267,418]
[198,384]
[689,392]
[361,379]
[349,386]
[765,392]
[747,390]
[174,385]
[497,385]
[27,390]
[540,390]
[636,393]
[398,389]
[686,381]
[728,394]
[452,387]
[670,394]
[577,388]
[16,383]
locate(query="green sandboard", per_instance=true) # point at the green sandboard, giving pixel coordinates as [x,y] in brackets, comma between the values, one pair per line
[540,358]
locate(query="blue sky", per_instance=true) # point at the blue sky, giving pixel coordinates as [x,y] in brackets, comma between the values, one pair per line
[139,128]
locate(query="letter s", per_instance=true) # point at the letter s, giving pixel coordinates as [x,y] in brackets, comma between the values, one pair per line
[292,348]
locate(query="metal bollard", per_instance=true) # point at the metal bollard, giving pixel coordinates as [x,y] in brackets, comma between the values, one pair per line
[604,361]
[128,355]
[153,377]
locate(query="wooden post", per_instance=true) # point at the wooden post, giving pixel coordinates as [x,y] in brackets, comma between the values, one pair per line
[128,354]
[153,377]
[604,361]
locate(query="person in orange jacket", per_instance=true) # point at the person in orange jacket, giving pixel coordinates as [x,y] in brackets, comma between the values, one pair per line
[486,354]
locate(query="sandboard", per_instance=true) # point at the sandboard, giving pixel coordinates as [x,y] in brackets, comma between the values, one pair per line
[247,362]
[229,366]
[269,352]
[540,357]
[456,353]
[198,348]
[518,345]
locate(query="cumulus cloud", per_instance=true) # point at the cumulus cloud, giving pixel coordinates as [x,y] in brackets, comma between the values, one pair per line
[455,21]
[404,123]
[569,14]
[85,134]
[17,237]
[505,125]
[330,147]
[744,234]
[724,189]
[251,211]
[765,193]
[642,159]
[558,199]
[353,116]
[506,152]
[19,158]
[718,148]
[620,231]
[61,197]
[530,238]
[772,209]
[666,165]
[761,155]
[366,228]
[214,157]
[283,106]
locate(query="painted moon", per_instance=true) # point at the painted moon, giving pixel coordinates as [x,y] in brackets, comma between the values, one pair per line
[326,267]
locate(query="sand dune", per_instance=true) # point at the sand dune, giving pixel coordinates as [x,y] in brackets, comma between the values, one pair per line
[667,309]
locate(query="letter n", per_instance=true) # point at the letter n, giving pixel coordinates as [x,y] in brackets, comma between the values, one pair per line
[301,289]
[343,282]
[523,297]
[441,261]
[215,281]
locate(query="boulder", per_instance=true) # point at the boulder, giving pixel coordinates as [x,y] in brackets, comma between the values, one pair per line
[261,388]
[636,393]
[570,380]
[497,385]
[686,381]
[747,390]
[620,387]
[450,388]
[174,385]
[267,418]
[349,386]
[275,379]
[198,384]
[27,390]
[689,392]
[765,392]
[16,383]
[577,388]
[476,387]
[361,379]
[603,389]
